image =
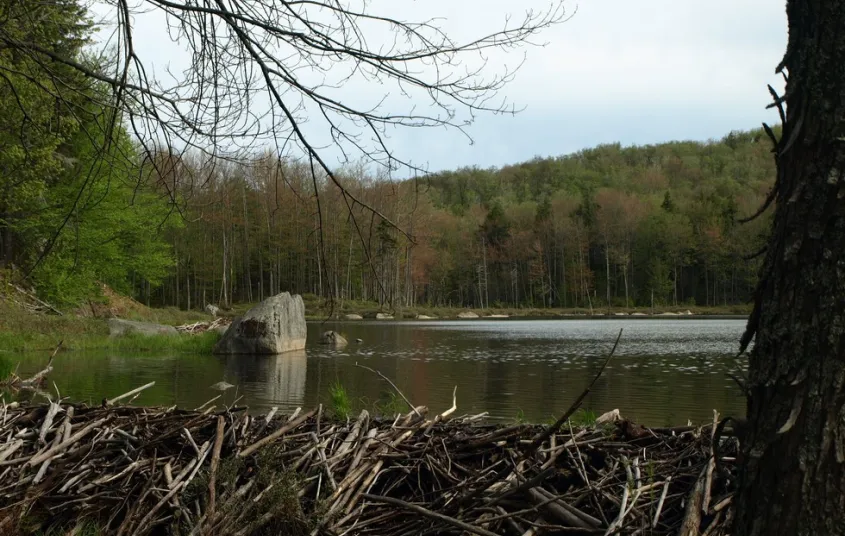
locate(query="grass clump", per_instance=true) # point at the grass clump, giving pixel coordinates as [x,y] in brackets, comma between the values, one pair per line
[201,343]
[341,404]
[583,418]
[22,331]
[389,404]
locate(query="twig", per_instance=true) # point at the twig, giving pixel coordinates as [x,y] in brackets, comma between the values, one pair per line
[130,393]
[660,503]
[275,435]
[215,461]
[711,464]
[385,378]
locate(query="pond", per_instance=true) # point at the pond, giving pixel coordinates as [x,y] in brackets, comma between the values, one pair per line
[664,372]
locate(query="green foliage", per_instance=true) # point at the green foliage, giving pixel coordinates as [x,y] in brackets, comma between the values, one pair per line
[29,341]
[341,405]
[583,418]
[108,238]
[496,227]
[21,331]
[73,209]
[389,404]
[7,366]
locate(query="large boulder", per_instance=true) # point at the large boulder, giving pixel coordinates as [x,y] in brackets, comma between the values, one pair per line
[212,309]
[333,338]
[274,326]
[468,314]
[353,316]
[119,328]
[384,316]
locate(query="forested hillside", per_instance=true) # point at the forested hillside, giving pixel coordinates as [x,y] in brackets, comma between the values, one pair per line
[81,203]
[614,224]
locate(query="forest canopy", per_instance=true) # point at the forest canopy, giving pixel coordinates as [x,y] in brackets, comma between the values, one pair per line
[612,224]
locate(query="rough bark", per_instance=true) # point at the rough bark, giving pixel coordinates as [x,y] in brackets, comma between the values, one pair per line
[792,480]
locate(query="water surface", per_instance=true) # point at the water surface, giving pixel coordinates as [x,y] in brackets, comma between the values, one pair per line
[664,371]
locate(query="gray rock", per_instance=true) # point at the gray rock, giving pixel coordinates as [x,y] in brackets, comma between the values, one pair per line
[221,386]
[384,316]
[333,338]
[274,326]
[467,314]
[425,317]
[353,316]
[222,329]
[212,309]
[120,328]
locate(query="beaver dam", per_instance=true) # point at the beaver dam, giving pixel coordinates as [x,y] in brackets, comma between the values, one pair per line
[74,469]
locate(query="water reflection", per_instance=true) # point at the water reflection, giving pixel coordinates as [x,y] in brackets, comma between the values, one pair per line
[664,371]
[270,380]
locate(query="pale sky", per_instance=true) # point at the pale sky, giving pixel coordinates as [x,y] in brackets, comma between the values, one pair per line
[630,71]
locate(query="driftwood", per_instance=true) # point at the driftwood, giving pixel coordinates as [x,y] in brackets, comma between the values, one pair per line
[136,470]
[34,382]
[27,300]
[202,327]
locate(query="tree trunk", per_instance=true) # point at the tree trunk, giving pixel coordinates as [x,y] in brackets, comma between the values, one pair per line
[625,278]
[792,479]
[675,286]
[607,272]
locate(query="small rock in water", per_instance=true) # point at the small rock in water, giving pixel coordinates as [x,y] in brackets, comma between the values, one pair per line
[222,386]
[333,338]
[359,340]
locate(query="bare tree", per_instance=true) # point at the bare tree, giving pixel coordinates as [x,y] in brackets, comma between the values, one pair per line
[261,69]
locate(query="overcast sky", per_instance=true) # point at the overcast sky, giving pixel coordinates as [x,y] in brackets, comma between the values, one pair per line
[630,71]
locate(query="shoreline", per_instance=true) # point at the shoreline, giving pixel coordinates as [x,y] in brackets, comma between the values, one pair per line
[713,316]
[315,309]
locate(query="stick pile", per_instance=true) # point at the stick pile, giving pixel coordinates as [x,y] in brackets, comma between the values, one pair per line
[133,471]
[202,327]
